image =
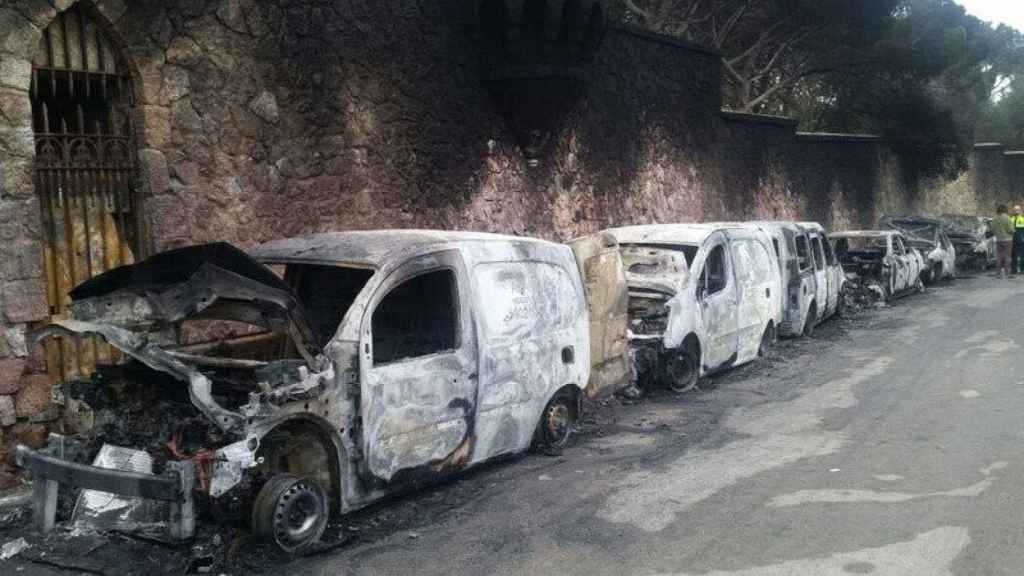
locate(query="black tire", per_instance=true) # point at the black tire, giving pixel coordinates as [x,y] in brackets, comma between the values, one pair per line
[841,305]
[810,323]
[928,277]
[291,512]
[682,370]
[768,340]
[556,422]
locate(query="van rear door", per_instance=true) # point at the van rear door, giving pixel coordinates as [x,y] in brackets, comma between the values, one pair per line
[604,285]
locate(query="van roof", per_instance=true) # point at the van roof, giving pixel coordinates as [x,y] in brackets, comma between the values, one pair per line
[373,247]
[669,233]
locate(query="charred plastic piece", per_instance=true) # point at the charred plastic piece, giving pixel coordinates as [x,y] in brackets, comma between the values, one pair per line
[336,369]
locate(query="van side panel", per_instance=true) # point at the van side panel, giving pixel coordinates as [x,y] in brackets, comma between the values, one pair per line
[534,339]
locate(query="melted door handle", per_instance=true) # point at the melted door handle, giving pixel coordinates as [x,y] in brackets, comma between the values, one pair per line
[767,292]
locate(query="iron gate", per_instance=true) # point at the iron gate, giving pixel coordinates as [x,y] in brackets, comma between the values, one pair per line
[85,172]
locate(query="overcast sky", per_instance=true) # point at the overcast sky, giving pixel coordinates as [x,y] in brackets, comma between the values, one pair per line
[1006,11]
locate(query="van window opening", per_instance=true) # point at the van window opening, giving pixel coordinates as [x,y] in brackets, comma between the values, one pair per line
[714,268]
[803,252]
[819,253]
[418,318]
[830,254]
[326,294]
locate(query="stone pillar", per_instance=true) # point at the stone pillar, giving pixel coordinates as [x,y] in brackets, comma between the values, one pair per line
[25,390]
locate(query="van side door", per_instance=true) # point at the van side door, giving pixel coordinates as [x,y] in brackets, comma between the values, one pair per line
[756,287]
[836,277]
[718,297]
[820,275]
[904,265]
[419,366]
[805,267]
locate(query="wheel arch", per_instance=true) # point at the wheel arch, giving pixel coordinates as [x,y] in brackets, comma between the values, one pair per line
[328,442]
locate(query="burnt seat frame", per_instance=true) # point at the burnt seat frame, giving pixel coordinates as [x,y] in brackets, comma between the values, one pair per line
[50,470]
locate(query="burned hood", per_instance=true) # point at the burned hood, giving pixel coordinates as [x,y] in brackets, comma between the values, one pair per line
[217,281]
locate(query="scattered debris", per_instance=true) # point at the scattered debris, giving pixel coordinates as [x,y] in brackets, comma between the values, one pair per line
[13,548]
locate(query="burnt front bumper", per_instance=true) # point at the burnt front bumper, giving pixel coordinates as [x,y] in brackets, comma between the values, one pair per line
[50,470]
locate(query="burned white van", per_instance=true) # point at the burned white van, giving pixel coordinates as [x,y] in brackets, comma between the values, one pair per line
[702,298]
[811,274]
[355,364]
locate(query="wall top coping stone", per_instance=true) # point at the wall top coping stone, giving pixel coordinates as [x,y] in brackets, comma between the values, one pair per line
[838,137]
[1015,154]
[759,118]
[988,145]
[638,32]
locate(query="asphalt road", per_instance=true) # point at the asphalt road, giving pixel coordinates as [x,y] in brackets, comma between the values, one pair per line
[889,444]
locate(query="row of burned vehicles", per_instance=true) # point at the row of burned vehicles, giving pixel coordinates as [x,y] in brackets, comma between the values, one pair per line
[320,374]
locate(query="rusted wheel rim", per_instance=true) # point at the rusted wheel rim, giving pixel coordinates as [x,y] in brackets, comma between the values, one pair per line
[681,373]
[557,423]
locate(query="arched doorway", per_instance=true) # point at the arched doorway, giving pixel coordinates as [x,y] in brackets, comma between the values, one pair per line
[85,170]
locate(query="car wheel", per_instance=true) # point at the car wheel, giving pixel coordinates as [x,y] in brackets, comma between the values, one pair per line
[811,321]
[291,512]
[928,276]
[841,305]
[767,341]
[556,422]
[682,370]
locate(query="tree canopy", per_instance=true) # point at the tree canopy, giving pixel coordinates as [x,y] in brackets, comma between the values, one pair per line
[921,72]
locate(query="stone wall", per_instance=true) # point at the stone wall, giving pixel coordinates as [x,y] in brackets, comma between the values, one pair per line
[263,119]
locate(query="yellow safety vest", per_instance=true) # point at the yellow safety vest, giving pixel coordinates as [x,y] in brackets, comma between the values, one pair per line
[1018,221]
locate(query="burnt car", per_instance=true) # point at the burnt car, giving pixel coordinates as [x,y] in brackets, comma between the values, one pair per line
[880,259]
[929,237]
[355,365]
[702,298]
[975,245]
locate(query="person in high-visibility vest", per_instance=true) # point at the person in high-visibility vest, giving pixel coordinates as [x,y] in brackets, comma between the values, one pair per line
[1017,258]
[1002,229]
